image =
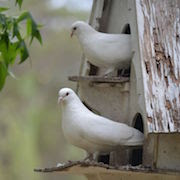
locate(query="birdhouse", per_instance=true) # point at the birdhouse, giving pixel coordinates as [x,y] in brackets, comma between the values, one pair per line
[146,97]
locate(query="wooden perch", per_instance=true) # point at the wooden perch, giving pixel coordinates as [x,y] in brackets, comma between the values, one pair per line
[86,167]
[99,79]
[65,166]
[83,164]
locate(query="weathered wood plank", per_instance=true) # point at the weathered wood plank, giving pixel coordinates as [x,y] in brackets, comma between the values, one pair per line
[159,35]
[99,79]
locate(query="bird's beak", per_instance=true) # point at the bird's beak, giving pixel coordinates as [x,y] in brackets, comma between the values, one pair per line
[72,33]
[60,99]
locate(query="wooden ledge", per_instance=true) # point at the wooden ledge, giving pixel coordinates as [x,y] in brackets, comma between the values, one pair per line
[70,164]
[99,79]
[90,164]
[90,168]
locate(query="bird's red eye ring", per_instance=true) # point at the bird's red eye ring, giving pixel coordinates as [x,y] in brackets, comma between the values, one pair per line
[67,94]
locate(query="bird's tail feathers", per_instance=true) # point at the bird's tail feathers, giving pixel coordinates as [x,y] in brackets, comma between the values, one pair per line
[136,140]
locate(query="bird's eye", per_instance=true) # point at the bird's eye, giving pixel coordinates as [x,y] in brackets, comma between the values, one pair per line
[67,94]
[74,28]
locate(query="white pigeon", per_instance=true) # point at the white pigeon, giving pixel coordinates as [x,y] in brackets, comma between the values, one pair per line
[110,51]
[91,132]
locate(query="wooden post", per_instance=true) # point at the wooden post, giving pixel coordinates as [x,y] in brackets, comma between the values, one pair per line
[159,41]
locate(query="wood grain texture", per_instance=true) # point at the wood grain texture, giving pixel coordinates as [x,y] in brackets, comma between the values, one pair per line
[159,36]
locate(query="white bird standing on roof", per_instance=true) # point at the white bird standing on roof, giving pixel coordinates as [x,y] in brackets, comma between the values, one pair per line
[91,132]
[110,51]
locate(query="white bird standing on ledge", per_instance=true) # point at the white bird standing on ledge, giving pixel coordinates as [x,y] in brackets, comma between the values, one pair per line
[91,132]
[110,51]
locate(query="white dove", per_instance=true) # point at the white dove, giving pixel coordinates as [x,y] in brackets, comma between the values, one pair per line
[91,132]
[110,51]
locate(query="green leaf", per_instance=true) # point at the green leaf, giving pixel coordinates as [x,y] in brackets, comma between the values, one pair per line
[3,74]
[2,20]
[12,39]
[37,35]
[35,31]
[25,15]
[29,27]
[4,41]
[8,50]
[3,9]
[16,32]
[12,52]
[9,24]
[19,2]
[24,54]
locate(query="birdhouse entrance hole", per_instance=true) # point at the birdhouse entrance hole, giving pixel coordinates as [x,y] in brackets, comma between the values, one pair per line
[104,158]
[136,156]
[126,29]
[93,70]
[138,122]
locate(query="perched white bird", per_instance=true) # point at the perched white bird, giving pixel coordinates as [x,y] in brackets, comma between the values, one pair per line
[91,132]
[110,51]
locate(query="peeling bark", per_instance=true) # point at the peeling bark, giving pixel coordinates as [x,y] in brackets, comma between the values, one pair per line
[159,33]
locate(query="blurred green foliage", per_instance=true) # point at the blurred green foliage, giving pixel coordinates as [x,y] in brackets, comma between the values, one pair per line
[19,2]
[30,123]
[12,40]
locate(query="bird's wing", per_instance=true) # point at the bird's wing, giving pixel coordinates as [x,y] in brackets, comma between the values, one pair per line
[117,46]
[113,38]
[103,131]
